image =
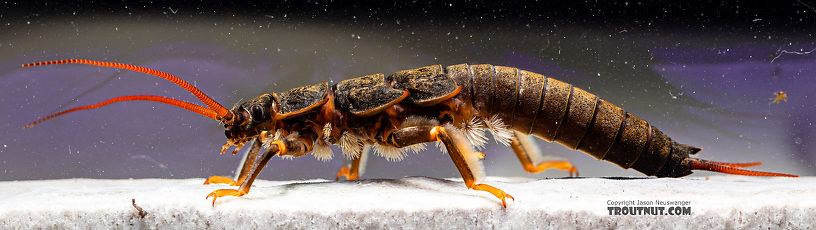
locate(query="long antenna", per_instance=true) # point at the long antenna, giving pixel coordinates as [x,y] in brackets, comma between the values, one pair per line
[204,111]
[212,104]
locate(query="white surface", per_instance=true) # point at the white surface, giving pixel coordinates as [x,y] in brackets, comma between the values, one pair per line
[418,202]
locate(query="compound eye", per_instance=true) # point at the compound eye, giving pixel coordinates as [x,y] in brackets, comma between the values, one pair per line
[259,114]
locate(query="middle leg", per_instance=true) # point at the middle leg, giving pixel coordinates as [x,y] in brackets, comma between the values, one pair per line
[354,168]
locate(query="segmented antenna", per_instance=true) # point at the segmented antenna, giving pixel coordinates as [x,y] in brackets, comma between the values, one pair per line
[170,101]
[212,104]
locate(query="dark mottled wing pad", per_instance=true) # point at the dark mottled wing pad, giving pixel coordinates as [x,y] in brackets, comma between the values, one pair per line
[301,99]
[367,95]
[426,84]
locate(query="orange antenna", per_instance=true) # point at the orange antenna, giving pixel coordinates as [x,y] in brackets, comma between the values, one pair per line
[204,111]
[212,104]
[732,168]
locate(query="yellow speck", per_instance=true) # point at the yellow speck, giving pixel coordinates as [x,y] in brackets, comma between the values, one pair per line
[779,96]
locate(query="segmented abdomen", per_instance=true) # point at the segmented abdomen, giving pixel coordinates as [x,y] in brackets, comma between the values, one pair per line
[556,111]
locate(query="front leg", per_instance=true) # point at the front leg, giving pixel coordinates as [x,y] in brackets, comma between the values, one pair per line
[466,160]
[246,166]
[288,146]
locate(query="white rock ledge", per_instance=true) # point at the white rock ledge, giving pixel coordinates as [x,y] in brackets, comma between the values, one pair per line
[721,202]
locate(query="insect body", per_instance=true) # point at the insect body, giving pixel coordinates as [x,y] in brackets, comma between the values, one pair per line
[452,105]
[779,96]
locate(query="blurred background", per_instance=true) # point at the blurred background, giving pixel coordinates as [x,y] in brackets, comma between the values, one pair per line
[704,73]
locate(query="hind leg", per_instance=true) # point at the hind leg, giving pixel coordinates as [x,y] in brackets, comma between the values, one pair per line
[466,160]
[527,153]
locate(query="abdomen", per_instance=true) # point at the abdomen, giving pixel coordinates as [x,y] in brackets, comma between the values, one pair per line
[557,111]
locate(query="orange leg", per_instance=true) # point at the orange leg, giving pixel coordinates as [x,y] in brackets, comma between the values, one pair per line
[354,168]
[279,147]
[246,166]
[481,155]
[544,165]
[221,180]
[525,153]
[345,171]
[496,192]
[244,189]
[466,160]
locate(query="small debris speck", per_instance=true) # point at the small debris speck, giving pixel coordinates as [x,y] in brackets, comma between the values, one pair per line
[141,212]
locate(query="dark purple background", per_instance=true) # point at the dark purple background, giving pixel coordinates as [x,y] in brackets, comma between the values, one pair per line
[704,80]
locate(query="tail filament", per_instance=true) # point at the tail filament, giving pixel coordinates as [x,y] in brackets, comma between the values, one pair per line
[732,168]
